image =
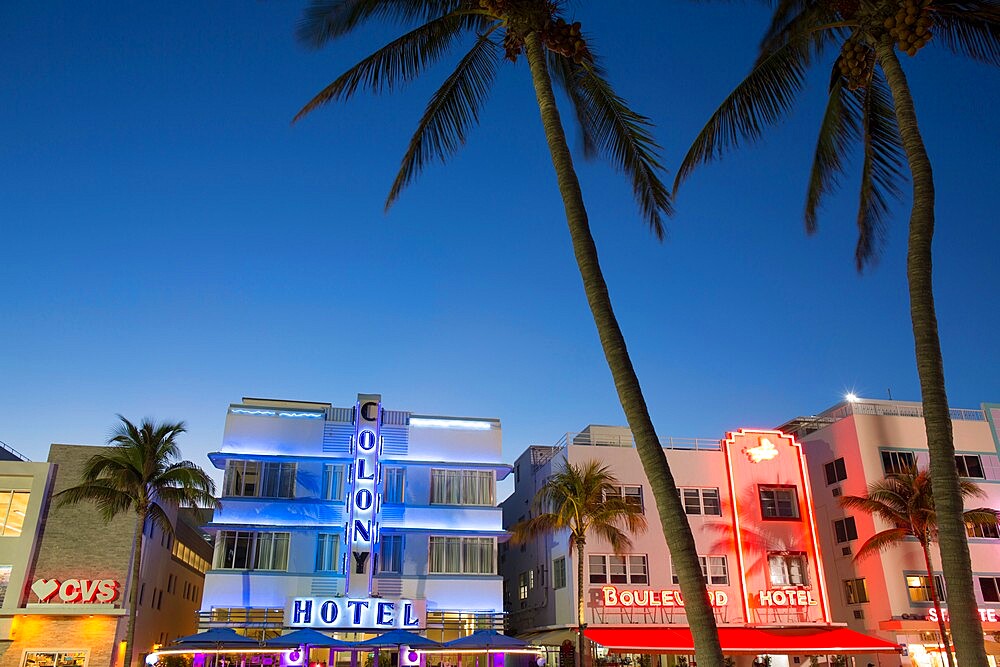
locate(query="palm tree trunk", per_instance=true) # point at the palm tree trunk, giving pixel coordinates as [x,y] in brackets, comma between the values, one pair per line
[133,606]
[675,526]
[581,619]
[955,560]
[937,602]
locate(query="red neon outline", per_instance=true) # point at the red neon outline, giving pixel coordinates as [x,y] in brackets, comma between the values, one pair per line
[728,444]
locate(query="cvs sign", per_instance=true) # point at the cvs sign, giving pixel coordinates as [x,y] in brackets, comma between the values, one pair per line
[82,591]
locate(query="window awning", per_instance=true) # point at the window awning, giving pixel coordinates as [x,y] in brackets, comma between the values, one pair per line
[796,641]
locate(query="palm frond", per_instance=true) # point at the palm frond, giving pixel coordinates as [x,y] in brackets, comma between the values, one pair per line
[969,28]
[881,541]
[885,511]
[837,133]
[564,77]
[536,526]
[807,26]
[160,518]
[982,516]
[618,133]
[761,99]
[881,168]
[110,501]
[325,20]
[398,62]
[453,109]
[619,541]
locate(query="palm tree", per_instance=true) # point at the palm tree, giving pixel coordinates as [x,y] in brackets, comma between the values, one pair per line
[140,472]
[584,500]
[870,103]
[558,54]
[905,501]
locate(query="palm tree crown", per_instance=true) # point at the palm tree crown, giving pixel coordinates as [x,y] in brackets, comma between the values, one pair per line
[584,500]
[609,128]
[860,107]
[905,502]
[140,472]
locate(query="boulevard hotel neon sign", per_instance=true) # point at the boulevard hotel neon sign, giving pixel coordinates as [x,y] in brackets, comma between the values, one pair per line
[646,597]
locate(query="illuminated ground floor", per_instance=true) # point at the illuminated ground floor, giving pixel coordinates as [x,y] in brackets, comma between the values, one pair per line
[44,640]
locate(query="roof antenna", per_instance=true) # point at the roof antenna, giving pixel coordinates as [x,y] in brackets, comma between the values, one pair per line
[889,391]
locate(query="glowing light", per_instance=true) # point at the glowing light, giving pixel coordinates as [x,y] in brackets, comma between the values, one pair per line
[307,415]
[433,422]
[765,451]
[244,411]
[274,413]
[851,397]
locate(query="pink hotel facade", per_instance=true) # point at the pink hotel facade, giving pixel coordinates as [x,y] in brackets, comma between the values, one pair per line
[773,541]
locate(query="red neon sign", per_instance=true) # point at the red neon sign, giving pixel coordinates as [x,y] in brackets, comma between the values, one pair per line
[647,597]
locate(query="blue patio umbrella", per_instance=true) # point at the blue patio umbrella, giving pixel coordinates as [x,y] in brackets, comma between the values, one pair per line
[217,637]
[395,638]
[486,640]
[308,637]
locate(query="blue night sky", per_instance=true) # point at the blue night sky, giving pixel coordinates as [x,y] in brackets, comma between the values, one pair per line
[170,243]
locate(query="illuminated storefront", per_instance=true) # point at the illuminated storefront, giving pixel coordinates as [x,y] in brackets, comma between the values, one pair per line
[749,503]
[354,521]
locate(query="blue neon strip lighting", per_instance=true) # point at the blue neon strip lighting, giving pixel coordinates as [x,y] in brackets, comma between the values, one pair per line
[272,413]
[429,422]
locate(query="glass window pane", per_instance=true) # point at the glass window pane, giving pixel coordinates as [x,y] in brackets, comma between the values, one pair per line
[598,570]
[711,502]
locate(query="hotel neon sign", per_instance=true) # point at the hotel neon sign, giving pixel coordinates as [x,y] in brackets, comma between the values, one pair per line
[647,597]
[374,613]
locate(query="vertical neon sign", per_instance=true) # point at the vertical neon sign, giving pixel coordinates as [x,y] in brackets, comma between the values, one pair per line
[364,500]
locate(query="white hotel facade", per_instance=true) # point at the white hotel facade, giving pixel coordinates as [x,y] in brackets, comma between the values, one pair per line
[355,520]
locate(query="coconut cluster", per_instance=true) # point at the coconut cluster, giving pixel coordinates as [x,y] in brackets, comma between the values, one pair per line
[856,62]
[911,25]
[565,39]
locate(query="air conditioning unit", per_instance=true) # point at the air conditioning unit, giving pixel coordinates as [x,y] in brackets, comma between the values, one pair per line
[845,551]
[837,492]
[859,614]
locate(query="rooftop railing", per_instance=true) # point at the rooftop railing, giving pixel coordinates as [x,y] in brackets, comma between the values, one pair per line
[13,452]
[602,439]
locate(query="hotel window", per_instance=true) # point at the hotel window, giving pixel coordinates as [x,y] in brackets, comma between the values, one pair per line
[333,482]
[628,569]
[559,573]
[462,487]
[13,505]
[836,471]
[715,569]
[187,556]
[788,569]
[969,465]
[394,480]
[327,550]
[988,531]
[919,589]
[845,530]
[522,586]
[245,550]
[779,502]
[990,587]
[259,480]
[390,557]
[631,494]
[855,591]
[701,501]
[462,555]
[896,463]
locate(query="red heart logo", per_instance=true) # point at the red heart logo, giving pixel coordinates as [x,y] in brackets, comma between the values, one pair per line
[45,589]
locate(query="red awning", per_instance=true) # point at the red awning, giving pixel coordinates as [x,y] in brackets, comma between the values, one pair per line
[797,641]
